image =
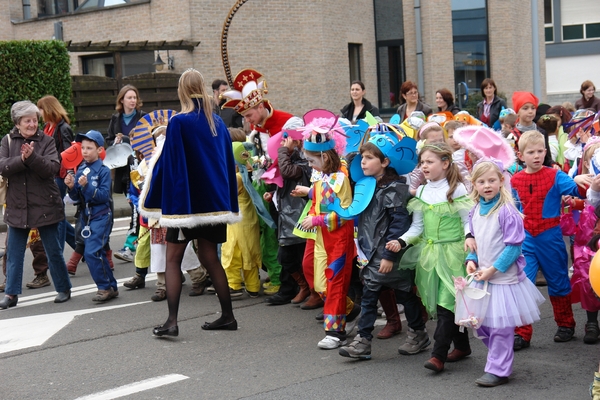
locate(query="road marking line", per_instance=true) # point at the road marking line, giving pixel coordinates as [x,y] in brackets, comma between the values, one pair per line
[136,387]
[75,291]
[25,332]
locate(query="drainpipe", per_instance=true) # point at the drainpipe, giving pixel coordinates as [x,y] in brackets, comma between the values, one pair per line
[420,73]
[26,9]
[535,42]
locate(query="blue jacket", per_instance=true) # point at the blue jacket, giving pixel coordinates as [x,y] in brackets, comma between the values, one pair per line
[96,194]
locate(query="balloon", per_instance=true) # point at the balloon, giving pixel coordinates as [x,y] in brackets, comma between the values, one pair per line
[595,273]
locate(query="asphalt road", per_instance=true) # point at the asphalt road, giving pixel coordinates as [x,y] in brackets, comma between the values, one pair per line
[80,349]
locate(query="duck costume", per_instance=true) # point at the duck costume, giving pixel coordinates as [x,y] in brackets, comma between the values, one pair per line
[192,179]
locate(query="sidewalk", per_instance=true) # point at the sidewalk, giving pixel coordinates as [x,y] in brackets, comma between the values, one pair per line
[122,209]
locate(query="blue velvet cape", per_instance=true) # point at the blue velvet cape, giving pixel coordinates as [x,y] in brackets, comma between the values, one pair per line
[192,177]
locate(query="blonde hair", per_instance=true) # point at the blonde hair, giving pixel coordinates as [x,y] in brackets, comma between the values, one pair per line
[444,152]
[191,90]
[587,156]
[434,127]
[482,168]
[530,138]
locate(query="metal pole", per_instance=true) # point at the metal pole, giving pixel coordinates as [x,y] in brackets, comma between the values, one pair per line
[420,71]
[535,43]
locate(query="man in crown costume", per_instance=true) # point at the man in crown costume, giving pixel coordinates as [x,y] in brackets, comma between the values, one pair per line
[247,97]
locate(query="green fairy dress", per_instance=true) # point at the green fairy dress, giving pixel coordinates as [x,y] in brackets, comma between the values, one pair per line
[438,254]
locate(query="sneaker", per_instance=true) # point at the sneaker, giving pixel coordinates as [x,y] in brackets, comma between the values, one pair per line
[331,342]
[235,293]
[252,295]
[40,281]
[105,295]
[352,318]
[138,281]
[520,343]
[416,342]
[124,254]
[591,333]
[271,290]
[159,295]
[266,285]
[564,334]
[210,289]
[359,348]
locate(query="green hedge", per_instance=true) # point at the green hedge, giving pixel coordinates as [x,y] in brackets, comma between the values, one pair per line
[30,70]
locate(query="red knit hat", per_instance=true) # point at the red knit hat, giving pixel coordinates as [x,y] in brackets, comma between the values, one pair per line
[521,98]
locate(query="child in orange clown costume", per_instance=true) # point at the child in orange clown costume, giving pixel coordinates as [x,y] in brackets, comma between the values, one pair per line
[334,248]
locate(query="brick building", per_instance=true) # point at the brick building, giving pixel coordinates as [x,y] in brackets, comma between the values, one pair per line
[308,51]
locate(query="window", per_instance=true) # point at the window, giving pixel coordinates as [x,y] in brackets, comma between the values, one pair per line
[580,19]
[92,4]
[354,51]
[56,7]
[389,33]
[548,21]
[470,37]
[132,63]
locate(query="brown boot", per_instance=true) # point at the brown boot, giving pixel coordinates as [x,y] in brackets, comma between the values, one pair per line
[304,290]
[387,298]
[314,301]
[73,262]
[110,261]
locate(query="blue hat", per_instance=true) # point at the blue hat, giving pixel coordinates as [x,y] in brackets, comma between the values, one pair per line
[94,136]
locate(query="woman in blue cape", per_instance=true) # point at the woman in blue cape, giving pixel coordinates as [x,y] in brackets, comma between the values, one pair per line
[193,192]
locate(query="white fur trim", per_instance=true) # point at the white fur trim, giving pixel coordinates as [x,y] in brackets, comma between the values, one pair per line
[192,221]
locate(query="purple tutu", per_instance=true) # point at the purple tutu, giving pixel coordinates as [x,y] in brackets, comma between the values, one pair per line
[511,305]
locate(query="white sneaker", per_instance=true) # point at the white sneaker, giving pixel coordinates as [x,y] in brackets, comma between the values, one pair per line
[124,254]
[331,342]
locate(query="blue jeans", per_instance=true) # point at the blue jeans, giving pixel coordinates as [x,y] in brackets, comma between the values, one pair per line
[95,253]
[17,243]
[65,231]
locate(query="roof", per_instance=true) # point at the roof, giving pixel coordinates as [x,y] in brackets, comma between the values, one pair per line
[126,45]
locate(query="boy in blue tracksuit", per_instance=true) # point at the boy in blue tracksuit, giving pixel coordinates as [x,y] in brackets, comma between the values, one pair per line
[91,187]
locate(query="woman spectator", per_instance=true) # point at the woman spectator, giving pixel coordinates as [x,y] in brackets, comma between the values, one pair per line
[121,125]
[196,159]
[410,94]
[445,101]
[358,107]
[588,100]
[29,160]
[488,110]
[57,127]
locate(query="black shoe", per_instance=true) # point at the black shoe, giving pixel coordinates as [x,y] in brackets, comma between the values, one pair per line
[278,300]
[252,295]
[8,302]
[591,332]
[491,380]
[320,317]
[564,334]
[520,343]
[229,326]
[61,297]
[162,331]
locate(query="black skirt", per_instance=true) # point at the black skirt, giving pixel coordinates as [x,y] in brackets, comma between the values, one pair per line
[212,233]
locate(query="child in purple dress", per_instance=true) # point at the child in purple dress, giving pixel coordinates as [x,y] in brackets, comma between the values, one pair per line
[498,230]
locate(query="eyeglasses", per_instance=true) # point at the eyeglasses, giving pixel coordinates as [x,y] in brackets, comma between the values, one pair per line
[412,93]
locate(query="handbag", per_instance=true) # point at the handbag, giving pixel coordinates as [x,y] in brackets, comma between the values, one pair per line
[471,303]
[4,181]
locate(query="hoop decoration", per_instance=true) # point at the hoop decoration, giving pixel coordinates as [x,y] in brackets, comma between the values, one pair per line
[143,140]
[224,33]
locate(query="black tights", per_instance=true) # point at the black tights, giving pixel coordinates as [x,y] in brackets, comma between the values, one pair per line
[207,254]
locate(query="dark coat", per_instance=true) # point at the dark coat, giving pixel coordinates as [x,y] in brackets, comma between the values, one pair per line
[453,109]
[63,137]
[348,110]
[495,109]
[32,198]
[114,127]
[420,107]
[294,171]
[594,104]
[121,182]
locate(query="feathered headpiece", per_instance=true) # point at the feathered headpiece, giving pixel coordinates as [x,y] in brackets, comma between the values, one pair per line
[322,132]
